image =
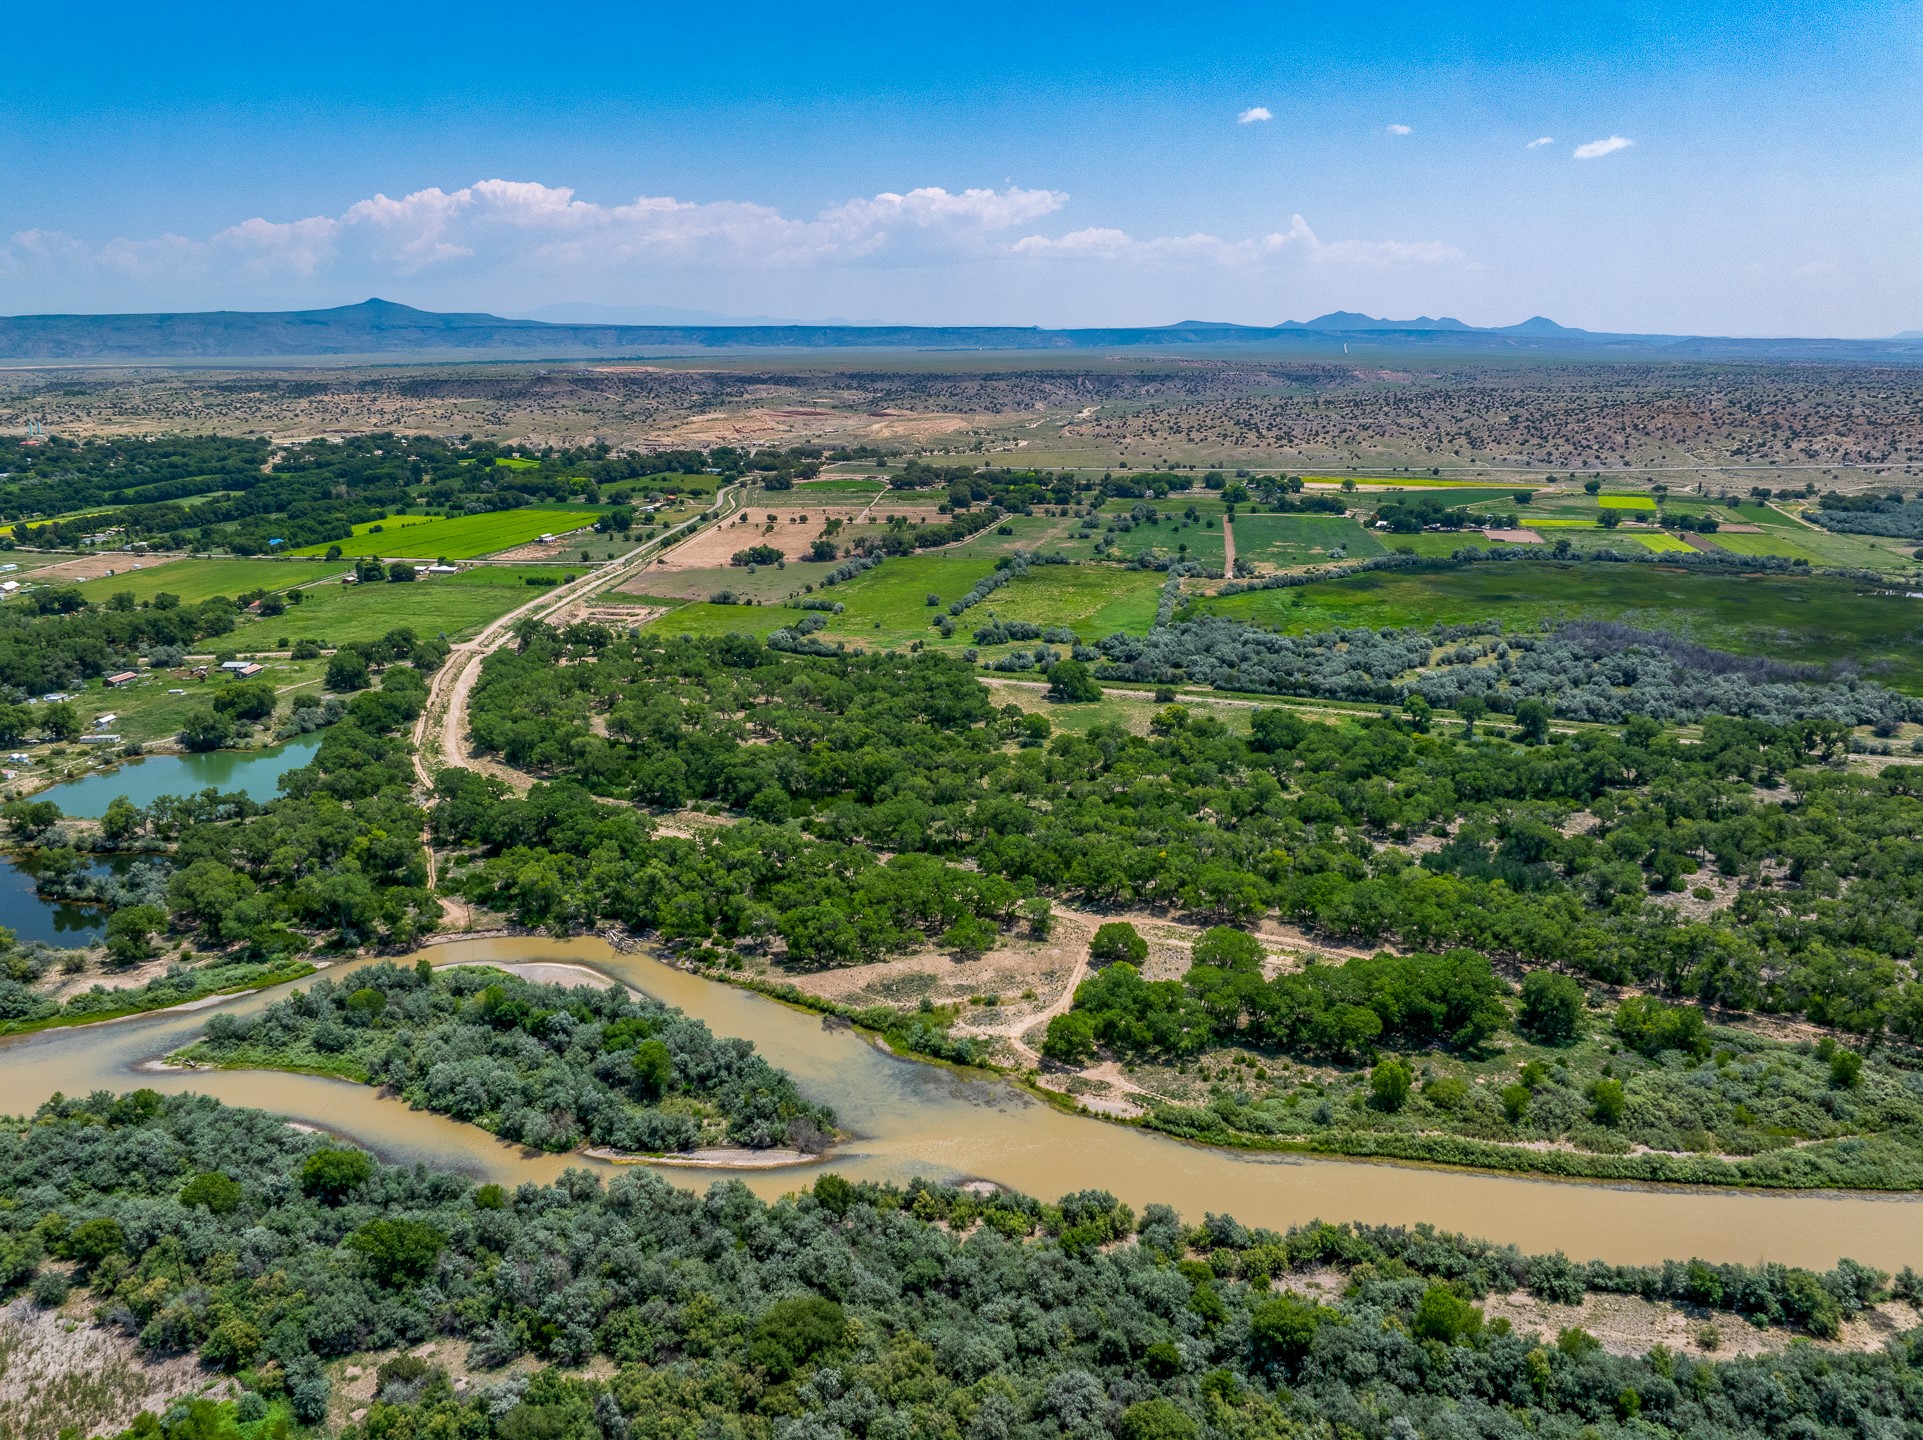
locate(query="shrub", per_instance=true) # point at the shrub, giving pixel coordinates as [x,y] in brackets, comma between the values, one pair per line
[1444,1316]
[792,1332]
[1607,1101]
[399,1252]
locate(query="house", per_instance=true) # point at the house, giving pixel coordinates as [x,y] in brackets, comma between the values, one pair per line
[125,677]
[101,722]
[236,666]
[8,569]
[443,569]
[99,739]
[9,586]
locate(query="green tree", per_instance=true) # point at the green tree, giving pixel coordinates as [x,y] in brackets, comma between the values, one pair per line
[130,932]
[401,573]
[1515,1102]
[1157,1418]
[1551,1008]
[1070,1039]
[92,1241]
[205,730]
[1072,682]
[1389,1085]
[31,820]
[1532,719]
[121,822]
[653,1067]
[794,1331]
[1444,1316]
[59,722]
[217,1193]
[400,1252]
[970,937]
[1117,940]
[1284,1328]
[334,1174]
[346,670]
[1607,1101]
[250,700]
[1846,1069]
[1228,949]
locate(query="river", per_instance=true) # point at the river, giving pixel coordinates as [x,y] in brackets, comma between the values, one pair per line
[909,1118]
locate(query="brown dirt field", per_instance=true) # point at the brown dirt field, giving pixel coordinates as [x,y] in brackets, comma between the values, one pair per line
[94,567]
[1514,537]
[712,547]
[535,553]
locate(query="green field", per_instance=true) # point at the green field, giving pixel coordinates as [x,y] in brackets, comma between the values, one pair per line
[888,606]
[1302,539]
[461,537]
[835,490]
[1814,618]
[196,580]
[1769,542]
[1664,544]
[1626,502]
[451,605]
[1462,496]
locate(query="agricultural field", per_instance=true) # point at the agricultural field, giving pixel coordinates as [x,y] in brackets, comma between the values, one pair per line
[450,605]
[459,537]
[1626,502]
[1664,544]
[1813,619]
[888,606]
[1302,539]
[196,580]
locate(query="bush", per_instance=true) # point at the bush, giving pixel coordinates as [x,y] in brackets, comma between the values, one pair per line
[216,1193]
[399,1252]
[1156,1419]
[1070,1039]
[1649,1027]
[1607,1102]
[1284,1328]
[1117,940]
[1444,1316]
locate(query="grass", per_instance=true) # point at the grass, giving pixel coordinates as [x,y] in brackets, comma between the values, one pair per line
[1465,496]
[888,606]
[1664,544]
[460,537]
[1813,618]
[1626,502]
[197,580]
[451,605]
[1770,542]
[1300,539]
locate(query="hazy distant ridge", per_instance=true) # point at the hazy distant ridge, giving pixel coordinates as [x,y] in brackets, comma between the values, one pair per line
[380,327]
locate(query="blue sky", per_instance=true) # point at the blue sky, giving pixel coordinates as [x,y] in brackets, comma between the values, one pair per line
[986,163]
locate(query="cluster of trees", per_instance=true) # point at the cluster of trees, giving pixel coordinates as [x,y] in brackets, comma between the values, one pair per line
[1887,514]
[907,754]
[547,1066]
[560,860]
[1581,672]
[862,1309]
[1339,1012]
[58,639]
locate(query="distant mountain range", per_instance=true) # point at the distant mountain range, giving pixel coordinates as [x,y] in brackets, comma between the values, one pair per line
[381,328]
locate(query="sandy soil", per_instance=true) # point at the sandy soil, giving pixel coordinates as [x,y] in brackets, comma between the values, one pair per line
[58,1369]
[721,1157]
[711,547]
[93,567]
[1514,537]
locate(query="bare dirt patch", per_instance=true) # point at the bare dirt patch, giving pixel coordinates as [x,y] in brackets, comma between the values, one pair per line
[57,1369]
[1514,537]
[96,567]
[789,535]
[1628,1325]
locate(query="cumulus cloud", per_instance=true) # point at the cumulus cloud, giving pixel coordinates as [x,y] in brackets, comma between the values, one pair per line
[1253,114]
[1299,241]
[1594,149]
[1401,129]
[496,236]
[1540,141]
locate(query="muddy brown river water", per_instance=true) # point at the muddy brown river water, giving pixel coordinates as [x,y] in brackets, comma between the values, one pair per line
[909,1119]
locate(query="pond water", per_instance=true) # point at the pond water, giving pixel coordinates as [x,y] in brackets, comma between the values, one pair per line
[49,921]
[908,1119]
[255,772]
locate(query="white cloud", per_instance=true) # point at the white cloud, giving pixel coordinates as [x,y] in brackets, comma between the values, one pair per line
[1253,114]
[1401,129]
[1540,141]
[1298,241]
[1597,148]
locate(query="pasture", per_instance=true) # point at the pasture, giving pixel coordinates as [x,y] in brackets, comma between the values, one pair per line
[195,580]
[458,537]
[1809,618]
[1303,539]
